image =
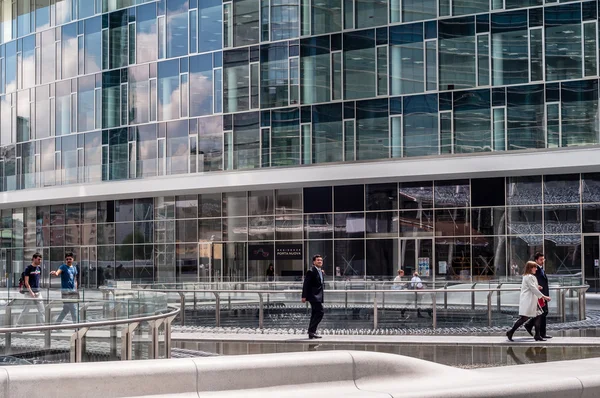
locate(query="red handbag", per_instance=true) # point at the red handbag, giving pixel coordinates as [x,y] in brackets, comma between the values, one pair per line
[541,302]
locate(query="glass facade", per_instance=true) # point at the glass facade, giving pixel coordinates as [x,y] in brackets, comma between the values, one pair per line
[470,230]
[107,90]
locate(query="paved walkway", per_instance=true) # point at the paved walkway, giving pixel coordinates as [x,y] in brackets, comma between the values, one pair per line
[519,339]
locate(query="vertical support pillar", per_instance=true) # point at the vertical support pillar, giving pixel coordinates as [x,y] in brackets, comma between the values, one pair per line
[581,298]
[375,312]
[168,323]
[182,306]
[127,341]
[77,345]
[489,308]
[473,296]
[195,302]
[48,333]
[8,324]
[218,308]
[434,310]
[446,296]
[498,300]
[563,313]
[261,311]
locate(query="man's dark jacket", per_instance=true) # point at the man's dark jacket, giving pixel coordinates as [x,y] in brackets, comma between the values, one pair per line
[542,280]
[312,290]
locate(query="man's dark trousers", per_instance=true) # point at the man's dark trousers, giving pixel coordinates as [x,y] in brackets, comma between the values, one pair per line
[315,316]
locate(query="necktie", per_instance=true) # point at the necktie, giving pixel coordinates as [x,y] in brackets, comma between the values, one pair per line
[320,275]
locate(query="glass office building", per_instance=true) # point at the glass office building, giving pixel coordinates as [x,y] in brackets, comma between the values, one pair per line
[184,140]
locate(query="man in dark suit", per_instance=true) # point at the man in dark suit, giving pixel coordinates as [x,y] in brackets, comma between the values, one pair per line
[312,291]
[542,280]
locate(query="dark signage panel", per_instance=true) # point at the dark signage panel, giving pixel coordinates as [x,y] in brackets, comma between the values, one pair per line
[260,252]
[288,252]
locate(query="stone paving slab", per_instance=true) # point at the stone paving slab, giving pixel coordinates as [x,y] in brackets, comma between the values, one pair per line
[519,340]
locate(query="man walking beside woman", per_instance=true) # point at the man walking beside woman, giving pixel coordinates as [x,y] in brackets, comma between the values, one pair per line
[529,304]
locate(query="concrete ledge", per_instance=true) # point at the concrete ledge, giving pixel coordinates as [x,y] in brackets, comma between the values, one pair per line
[317,374]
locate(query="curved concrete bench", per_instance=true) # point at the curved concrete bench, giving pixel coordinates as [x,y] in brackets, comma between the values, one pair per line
[315,374]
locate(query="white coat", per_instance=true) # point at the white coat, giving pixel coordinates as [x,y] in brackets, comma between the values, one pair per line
[529,296]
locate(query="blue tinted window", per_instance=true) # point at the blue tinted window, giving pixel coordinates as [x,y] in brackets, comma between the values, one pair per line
[201,85]
[177,28]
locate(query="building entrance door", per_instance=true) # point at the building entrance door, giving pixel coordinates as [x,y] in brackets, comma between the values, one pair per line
[591,262]
[417,255]
[210,261]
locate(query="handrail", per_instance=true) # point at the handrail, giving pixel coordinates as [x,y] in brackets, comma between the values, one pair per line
[357,290]
[174,312]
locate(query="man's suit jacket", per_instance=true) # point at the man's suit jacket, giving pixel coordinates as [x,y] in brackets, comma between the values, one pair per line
[312,290]
[542,279]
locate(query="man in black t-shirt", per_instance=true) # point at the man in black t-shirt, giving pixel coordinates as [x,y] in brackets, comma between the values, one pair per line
[32,276]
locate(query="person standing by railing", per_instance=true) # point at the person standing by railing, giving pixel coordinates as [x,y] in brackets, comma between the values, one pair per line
[31,280]
[68,285]
[528,302]
[398,283]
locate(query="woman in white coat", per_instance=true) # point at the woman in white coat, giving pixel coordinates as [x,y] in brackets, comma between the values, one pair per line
[528,301]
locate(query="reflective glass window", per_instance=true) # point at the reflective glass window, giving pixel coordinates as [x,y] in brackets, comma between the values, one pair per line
[370,13]
[563,188]
[201,85]
[209,205]
[138,89]
[590,187]
[63,11]
[285,137]
[349,256]
[326,16]
[472,124]
[236,80]
[510,63]
[359,64]
[146,34]
[246,141]
[524,190]
[579,111]
[118,154]
[85,103]
[261,203]
[420,130]
[315,72]
[168,90]
[418,10]
[210,146]
[563,42]
[525,114]
[210,17]
[525,220]
[69,50]
[284,19]
[42,14]
[246,27]
[452,193]
[372,132]
[48,52]
[407,73]
[562,219]
[63,107]
[274,75]
[93,45]
[28,61]
[327,133]
[118,39]
[147,151]
[111,99]
[457,53]
[177,147]
[177,28]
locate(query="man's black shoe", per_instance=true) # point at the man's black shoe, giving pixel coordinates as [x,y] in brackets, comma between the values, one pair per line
[314,336]
[529,329]
[546,337]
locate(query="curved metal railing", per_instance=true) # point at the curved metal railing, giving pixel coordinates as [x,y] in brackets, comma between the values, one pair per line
[568,301]
[109,323]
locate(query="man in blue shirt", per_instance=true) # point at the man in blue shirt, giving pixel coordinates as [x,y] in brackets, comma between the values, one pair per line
[68,286]
[33,295]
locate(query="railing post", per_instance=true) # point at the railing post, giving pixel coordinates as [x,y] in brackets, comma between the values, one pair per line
[154,326]
[261,312]
[168,323]
[345,300]
[77,345]
[581,297]
[48,333]
[375,311]
[8,335]
[383,302]
[489,308]
[473,296]
[182,306]
[217,309]
[563,313]
[434,310]
[498,302]
[127,341]
[446,296]
[195,305]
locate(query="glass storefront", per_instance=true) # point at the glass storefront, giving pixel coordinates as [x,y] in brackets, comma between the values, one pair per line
[458,230]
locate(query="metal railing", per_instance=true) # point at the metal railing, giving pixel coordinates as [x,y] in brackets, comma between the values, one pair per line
[115,319]
[378,300]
